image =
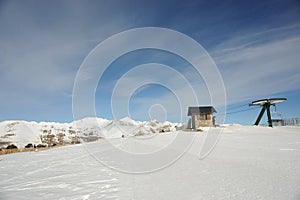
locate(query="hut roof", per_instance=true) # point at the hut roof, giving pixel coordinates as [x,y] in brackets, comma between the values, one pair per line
[201,110]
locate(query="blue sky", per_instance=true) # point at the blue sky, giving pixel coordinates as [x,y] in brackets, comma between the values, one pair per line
[255,45]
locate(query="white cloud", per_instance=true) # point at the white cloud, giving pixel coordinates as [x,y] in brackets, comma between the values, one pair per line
[260,69]
[41,50]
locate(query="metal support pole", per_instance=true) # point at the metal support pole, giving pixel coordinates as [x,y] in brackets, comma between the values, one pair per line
[269,115]
[266,104]
[260,115]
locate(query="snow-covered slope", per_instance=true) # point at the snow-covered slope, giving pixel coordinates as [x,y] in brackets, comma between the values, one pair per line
[21,133]
[248,163]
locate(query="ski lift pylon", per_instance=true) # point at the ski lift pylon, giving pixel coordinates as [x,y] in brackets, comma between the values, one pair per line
[265,104]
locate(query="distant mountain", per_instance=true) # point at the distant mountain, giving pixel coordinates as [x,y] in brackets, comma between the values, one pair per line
[22,133]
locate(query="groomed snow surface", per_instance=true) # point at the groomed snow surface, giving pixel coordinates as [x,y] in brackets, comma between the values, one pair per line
[247,163]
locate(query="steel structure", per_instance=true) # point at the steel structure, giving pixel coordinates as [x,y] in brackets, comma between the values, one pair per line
[265,104]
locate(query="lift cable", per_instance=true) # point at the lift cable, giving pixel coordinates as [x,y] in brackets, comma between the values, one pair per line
[236,107]
[234,112]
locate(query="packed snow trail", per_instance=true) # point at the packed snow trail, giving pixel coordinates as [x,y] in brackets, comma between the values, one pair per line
[255,163]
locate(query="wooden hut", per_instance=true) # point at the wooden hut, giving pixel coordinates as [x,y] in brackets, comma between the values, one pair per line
[201,116]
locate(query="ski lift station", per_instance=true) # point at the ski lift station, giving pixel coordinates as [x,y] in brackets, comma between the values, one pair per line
[201,116]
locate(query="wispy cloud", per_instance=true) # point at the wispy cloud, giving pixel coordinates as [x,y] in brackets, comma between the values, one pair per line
[41,52]
[251,66]
[44,43]
[256,66]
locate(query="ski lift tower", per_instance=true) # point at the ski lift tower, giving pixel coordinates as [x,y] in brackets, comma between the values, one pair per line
[265,104]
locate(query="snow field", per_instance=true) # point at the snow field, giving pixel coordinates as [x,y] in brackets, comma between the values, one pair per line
[247,163]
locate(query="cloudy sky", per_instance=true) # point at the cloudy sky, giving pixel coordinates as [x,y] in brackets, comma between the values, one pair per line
[43,44]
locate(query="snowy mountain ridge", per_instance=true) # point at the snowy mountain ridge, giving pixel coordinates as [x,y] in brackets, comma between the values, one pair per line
[21,133]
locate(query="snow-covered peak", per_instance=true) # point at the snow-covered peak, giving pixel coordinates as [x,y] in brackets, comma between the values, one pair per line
[21,133]
[128,121]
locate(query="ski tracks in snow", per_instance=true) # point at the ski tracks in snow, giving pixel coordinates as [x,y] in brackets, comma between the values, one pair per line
[65,173]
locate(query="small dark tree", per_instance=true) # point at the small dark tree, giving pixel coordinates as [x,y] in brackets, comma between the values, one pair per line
[41,146]
[12,146]
[29,145]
